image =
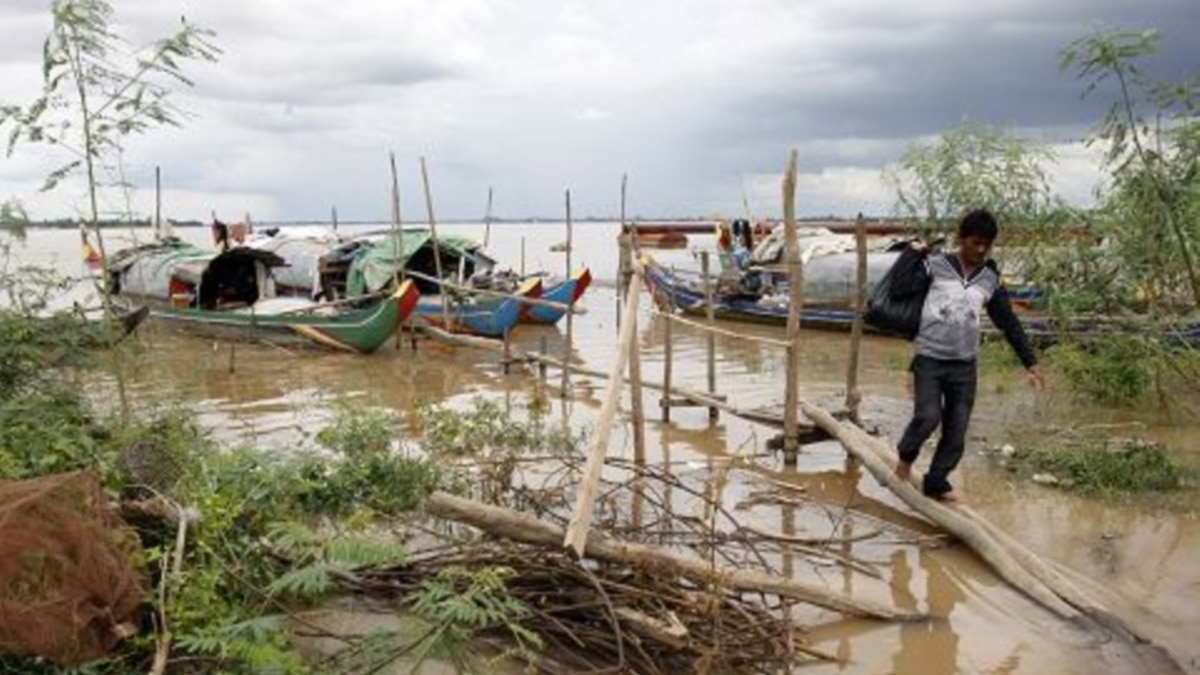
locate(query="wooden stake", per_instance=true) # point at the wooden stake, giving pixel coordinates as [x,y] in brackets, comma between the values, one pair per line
[542,364]
[399,234]
[668,359]
[791,429]
[710,337]
[581,519]
[157,202]
[522,255]
[635,369]
[487,220]
[333,217]
[569,346]
[853,395]
[437,249]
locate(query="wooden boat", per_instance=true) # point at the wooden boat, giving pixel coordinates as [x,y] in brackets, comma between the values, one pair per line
[230,295]
[475,315]
[673,290]
[565,293]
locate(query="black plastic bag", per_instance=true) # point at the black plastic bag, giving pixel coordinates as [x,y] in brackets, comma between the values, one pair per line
[899,316]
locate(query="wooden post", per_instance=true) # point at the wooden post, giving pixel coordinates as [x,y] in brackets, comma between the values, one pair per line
[399,233]
[581,518]
[668,357]
[157,203]
[542,363]
[333,216]
[487,220]
[506,355]
[635,356]
[522,256]
[791,429]
[437,249]
[853,395]
[710,337]
[566,371]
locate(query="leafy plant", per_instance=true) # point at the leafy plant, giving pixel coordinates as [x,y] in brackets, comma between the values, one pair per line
[1106,466]
[97,91]
[461,604]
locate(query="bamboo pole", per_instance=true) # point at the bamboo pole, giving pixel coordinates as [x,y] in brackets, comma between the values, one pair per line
[581,518]
[487,220]
[635,372]
[437,249]
[569,346]
[522,255]
[791,434]
[853,395]
[549,304]
[157,202]
[721,331]
[333,216]
[522,527]
[398,232]
[710,337]
[668,361]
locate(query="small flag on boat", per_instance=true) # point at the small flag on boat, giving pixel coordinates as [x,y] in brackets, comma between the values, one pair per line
[91,257]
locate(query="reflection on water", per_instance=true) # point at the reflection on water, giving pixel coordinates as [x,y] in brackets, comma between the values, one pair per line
[279,398]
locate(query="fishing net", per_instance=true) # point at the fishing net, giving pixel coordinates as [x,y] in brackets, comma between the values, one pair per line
[69,588]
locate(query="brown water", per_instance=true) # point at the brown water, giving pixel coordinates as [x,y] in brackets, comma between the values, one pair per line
[1150,556]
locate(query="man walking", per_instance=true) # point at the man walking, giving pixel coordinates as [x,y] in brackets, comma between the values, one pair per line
[959,287]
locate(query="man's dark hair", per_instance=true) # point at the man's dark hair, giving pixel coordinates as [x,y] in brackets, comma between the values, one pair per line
[978,223]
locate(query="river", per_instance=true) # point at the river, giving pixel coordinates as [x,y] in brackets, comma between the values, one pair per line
[1150,555]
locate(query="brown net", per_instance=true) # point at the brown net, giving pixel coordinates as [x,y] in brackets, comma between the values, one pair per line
[69,587]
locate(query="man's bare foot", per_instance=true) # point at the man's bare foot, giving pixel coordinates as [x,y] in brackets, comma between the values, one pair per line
[903,471]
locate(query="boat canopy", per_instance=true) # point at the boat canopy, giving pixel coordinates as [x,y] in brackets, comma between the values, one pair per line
[375,266]
[303,256]
[237,276]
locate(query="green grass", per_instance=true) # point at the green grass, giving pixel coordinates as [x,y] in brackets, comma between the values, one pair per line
[1118,466]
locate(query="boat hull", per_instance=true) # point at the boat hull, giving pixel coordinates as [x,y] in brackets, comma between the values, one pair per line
[566,293]
[672,293]
[491,318]
[356,330]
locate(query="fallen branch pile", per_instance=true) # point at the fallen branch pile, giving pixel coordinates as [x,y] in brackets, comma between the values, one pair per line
[619,618]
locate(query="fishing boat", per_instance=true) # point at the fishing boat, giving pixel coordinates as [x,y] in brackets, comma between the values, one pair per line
[231,295]
[829,283]
[476,315]
[566,293]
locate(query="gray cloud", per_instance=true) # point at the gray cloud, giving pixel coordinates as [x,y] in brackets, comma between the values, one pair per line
[535,96]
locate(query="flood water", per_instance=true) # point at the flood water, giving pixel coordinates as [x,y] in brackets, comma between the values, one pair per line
[1150,556]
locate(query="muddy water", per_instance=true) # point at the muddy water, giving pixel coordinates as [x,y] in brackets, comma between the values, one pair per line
[1150,557]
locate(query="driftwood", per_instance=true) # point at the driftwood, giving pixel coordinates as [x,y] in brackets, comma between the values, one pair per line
[524,528]
[1049,584]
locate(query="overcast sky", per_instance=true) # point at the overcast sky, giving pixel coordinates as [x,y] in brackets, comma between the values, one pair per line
[693,98]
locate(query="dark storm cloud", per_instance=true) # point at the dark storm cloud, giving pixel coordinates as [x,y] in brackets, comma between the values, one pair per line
[693,98]
[900,75]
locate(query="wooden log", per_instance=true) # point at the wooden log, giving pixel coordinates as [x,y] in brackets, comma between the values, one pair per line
[524,528]
[581,519]
[853,395]
[791,434]
[881,466]
[711,338]
[1058,589]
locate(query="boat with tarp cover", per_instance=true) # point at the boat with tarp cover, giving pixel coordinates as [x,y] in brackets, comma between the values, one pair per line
[373,262]
[232,295]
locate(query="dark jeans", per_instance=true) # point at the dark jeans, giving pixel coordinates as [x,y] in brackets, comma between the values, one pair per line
[944,394]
